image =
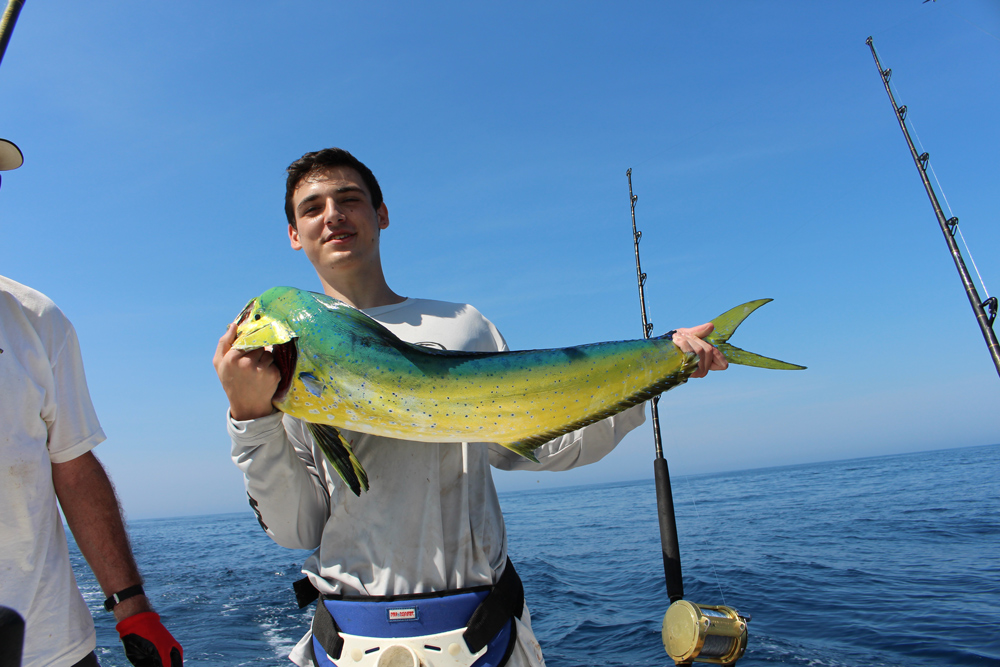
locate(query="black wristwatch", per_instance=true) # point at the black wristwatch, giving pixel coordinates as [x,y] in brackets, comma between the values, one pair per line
[123,594]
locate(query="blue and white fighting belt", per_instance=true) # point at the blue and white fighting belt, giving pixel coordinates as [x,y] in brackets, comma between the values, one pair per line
[467,628]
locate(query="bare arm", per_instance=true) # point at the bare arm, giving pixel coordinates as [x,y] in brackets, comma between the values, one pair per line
[94,516]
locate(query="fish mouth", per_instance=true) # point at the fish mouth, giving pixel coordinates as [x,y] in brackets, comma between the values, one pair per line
[285,356]
[255,330]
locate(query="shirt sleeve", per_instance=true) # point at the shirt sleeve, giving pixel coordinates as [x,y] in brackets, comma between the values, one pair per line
[69,413]
[284,484]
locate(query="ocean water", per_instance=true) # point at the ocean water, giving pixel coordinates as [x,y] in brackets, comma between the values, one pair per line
[887,561]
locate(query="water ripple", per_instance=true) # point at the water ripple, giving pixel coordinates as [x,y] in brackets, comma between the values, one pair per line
[881,562]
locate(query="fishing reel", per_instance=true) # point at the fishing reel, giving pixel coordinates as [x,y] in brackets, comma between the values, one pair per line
[704,633]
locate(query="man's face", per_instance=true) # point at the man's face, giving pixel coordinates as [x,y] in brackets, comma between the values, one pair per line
[336,224]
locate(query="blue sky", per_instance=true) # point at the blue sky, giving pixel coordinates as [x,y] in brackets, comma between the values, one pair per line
[765,156]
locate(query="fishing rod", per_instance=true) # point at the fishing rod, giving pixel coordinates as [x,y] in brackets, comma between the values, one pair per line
[986,311]
[7,23]
[10,154]
[691,632]
[664,498]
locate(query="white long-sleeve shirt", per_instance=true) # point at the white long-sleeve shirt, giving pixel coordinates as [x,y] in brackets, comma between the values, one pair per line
[431,520]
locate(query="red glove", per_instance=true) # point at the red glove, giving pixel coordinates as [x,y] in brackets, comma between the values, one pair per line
[147,642]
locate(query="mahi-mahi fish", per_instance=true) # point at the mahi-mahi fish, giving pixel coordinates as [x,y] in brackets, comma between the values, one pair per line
[340,369]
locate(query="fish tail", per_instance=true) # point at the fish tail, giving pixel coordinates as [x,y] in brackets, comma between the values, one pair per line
[737,356]
[338,452]
[727,323]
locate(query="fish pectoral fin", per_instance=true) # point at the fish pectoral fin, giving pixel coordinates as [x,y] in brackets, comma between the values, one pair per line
[338,452]
[312,384]
[737,356]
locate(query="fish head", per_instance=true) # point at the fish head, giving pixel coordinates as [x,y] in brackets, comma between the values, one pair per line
[263,323]
[259,326]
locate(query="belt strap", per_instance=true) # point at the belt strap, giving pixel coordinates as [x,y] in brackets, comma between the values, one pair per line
[325,630]
[305,592]
[505,600]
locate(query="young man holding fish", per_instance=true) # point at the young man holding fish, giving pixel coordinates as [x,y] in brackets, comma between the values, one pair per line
[427,541]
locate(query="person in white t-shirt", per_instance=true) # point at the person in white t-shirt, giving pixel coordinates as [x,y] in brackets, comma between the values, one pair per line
[48,428]
[430,527]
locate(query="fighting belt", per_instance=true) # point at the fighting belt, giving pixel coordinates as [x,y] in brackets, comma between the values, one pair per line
[471,627]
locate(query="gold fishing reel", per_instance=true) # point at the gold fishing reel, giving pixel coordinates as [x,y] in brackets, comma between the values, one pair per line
[704,633]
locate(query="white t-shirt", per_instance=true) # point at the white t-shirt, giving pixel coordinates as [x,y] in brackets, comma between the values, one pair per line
[431,520]
[46,416]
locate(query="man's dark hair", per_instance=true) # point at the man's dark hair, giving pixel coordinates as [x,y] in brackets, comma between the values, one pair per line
[320,161]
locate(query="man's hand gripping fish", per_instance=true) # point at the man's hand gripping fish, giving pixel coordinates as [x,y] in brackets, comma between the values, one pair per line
[341,369]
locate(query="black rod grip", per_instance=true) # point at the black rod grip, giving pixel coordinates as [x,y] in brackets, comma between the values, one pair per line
[668,531]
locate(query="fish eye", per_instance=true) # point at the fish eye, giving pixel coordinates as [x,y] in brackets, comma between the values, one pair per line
[257,316]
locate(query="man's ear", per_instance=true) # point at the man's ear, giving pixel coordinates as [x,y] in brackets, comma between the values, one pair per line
[293,237]
[383,216]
